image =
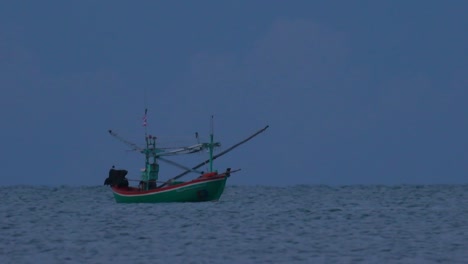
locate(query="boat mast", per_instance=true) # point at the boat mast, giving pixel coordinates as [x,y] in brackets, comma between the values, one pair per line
[150,175]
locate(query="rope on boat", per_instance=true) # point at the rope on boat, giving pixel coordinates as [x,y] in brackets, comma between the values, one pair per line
[216,156]
[227,173]
[134,180]
[178,165]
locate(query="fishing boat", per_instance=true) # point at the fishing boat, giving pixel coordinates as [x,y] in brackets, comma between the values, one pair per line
[206,186]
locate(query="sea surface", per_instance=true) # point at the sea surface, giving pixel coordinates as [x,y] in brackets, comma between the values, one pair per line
[249,224]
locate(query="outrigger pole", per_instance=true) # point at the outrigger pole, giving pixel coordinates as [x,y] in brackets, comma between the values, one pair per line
[133,145]
[214,157]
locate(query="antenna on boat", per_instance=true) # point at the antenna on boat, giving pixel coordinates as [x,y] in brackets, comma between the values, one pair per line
[211,144]
[145,122]
[145,116]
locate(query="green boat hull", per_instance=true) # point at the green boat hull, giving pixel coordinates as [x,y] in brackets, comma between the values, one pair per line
[198,190]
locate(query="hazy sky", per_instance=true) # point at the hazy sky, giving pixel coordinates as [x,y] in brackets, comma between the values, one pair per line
[355,92]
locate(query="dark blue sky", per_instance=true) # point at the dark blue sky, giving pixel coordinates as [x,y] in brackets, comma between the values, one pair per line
[355,92]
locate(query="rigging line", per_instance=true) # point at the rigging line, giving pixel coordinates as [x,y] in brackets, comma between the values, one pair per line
[179,165]
[131,144]
[135,180]
[217,156]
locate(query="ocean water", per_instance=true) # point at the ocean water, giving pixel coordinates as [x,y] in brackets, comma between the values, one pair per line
[249,224]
